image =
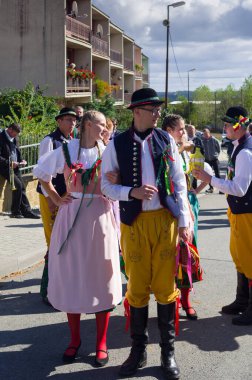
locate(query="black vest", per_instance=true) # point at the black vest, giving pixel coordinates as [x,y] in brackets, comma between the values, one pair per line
[59,181]
[241,205]
[128,152]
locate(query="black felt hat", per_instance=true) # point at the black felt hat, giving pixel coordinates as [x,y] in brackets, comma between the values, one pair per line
[233,114]
[66,111]
[143,97]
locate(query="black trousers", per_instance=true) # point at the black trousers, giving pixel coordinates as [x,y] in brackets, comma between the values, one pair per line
[20,203]
[215,166]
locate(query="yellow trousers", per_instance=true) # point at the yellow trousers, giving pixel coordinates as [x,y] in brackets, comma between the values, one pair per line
[148,249]
[241,242]
[47,218]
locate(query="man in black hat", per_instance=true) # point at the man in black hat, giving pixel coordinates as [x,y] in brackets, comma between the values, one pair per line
[10,162]
[238,186]
[66,121]
[153,203]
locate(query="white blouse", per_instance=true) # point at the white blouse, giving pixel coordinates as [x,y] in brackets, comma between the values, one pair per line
[52,163]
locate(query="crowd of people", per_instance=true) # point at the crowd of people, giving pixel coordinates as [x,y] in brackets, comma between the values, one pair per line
[85,169]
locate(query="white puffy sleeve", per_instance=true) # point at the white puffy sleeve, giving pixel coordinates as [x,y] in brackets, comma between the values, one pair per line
[49,165]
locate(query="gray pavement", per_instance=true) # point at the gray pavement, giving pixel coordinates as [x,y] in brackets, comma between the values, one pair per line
[33,336]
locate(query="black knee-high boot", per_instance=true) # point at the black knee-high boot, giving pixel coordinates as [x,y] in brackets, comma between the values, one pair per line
[245,319]
[240,303]
[138,355]
[166,315]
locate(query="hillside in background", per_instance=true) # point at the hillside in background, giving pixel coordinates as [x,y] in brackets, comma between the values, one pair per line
[174,95]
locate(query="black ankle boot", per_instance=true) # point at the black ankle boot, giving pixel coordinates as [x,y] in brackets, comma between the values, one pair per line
[240,303]
[138,355]
[166,315]
[245,319]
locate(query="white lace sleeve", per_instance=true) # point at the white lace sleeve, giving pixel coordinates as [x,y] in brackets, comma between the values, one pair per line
[49,165]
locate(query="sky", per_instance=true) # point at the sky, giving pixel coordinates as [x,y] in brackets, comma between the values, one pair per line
[214,37]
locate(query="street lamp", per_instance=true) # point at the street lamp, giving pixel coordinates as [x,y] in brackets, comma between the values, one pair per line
[188,92]
[167,24]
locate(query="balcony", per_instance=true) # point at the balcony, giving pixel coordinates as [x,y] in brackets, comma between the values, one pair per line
[75,86]
[77,29]
[115,56]
[116,94]
[128,64]
[146,78]
[100,46]
[127,97]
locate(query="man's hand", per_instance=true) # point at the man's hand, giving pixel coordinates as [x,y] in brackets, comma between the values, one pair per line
[184,233]
[22,163]
[144,192]
[113,177]
[199,173]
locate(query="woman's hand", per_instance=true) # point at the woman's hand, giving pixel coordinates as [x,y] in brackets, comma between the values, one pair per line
[61,201]
[113,177]
[184,233]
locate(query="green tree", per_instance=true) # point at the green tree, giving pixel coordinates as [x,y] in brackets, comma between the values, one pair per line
[202,112]
[29,108]
[247,94]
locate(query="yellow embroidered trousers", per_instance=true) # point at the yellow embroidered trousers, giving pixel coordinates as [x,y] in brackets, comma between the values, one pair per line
[149,249]
[241,242]
[47,218]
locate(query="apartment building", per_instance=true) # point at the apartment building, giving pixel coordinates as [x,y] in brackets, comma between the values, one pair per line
[70,49]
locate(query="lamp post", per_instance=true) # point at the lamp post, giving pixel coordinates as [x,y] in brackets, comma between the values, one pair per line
[167,24]
[188,92]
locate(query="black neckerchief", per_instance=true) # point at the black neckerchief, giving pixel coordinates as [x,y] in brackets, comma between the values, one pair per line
[144,134]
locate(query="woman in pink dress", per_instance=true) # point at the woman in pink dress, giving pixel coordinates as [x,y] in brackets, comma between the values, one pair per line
[84,266]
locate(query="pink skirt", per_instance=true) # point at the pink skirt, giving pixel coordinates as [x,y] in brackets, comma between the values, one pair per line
[85,276]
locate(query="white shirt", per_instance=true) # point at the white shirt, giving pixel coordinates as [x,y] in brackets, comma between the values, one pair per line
[52,163]
[121,193]
[239,185]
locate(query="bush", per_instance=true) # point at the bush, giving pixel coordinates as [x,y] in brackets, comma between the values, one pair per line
[29,108]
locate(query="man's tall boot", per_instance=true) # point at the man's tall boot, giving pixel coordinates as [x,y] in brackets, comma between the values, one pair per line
[138,355]
[240,303]
[245,319]
[166,315]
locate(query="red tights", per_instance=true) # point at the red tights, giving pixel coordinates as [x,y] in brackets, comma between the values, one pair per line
[102,320]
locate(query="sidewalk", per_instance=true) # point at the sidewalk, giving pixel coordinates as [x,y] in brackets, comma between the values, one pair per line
[22,244]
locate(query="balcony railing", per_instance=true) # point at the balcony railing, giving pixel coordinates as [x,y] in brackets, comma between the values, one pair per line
[75,28]
[100,46]
[78,86]
[127,97]
[115,56]
[117,94]
[128,64]
[138,73]
[146,78]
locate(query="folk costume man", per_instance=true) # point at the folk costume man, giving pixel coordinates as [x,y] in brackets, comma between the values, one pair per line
[238,187]
[11,160]
[153,209]
[66,120]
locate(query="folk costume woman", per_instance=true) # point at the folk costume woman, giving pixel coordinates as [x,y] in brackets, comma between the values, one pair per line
[84,269]
[174,124]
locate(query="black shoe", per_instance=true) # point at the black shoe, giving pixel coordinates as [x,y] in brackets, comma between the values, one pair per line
[245,319]
[70,358]
[101,362]
[17,216]
[136,360]
[169,366]
[31,215]
[209,191]
[234,308]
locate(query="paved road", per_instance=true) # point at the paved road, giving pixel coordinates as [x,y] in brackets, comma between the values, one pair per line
[33,336]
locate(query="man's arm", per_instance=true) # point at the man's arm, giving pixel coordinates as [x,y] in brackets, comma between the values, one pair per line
[110,164]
